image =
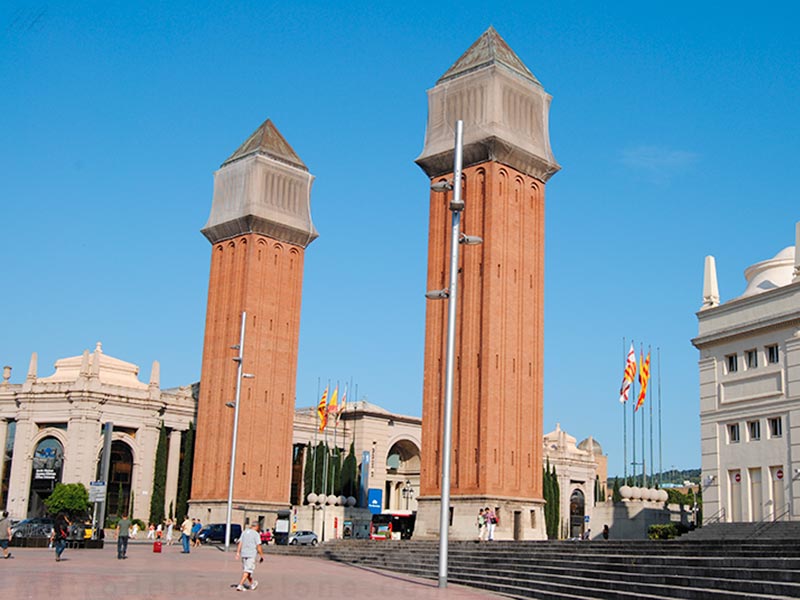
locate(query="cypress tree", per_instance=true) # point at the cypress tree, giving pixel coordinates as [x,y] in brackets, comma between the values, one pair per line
[319,469]
[557,504]
[349,473]
[615,495]
[159,478]
[185,475]
[308,472]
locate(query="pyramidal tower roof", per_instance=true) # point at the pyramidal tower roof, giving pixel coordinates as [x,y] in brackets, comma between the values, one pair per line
[489,49]
[267,140]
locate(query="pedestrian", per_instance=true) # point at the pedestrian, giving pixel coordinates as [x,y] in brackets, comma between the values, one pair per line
[151,532]
[249,545]
[605,532]
[170,527]
[134,530]
[60,534]
[186,533]
[196,527]
[159,531]
[123,532]
[491,522]
[5,534]
[481,526]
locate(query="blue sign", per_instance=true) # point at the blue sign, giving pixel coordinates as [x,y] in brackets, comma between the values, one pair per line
[586,519]
[375,502]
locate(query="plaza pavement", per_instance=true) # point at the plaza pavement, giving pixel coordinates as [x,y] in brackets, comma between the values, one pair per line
[204,574]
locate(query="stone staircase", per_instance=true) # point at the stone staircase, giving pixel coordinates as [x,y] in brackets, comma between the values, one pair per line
[764,530]
[695,569]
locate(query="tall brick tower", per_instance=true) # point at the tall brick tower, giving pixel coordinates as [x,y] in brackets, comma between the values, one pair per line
[259,227]
[497,406]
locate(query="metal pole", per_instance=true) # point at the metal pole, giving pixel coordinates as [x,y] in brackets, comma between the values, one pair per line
[456,207]
[624,424]
[660,466]
[239,360]
[105,468]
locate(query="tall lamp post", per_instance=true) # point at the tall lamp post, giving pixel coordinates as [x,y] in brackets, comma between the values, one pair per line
[450,294]
[235,405]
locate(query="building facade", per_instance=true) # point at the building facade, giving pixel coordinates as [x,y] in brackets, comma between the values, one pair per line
[496,453]
[52,430]
[750,392]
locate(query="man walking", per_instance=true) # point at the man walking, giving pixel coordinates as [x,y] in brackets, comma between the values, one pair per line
[186,532]
[123,532]
[249,546]
[5,534]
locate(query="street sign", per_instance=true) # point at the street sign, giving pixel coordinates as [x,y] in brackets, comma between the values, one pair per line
[97,491]
[737,477]
[779,473]
[586,518]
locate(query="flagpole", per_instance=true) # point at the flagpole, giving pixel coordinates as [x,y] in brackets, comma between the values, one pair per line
[314,458]
[644,454]
[633,424]
[624,424]
[660,467]
[650,393]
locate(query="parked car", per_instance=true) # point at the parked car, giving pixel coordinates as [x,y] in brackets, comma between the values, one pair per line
[303,538]
[215,532]
[31,528]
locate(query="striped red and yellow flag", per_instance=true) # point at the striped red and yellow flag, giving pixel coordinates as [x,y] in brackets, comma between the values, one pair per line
[627,377]
[644,378]
[322,410]
[333,405]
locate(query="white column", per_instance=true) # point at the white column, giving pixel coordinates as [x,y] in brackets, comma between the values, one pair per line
[20,481]
[3,438]
[173,466]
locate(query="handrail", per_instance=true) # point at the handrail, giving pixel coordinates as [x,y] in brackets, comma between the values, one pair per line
[717,517]
[768,521]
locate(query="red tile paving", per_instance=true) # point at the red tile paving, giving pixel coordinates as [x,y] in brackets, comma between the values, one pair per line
[205,573]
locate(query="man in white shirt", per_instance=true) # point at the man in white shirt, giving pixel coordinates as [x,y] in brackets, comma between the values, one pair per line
[249,546]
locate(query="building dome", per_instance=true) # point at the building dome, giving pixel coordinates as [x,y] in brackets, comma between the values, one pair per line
[770,274]
[591,445]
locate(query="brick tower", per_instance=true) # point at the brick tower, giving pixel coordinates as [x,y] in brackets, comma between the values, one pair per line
[497,400]
[259,227]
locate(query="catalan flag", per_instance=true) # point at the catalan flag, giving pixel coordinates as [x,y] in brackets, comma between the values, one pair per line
[644,378]
[322,410]
[627,377]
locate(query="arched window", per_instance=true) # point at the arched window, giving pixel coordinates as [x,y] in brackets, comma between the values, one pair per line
[120,479]
[47,465]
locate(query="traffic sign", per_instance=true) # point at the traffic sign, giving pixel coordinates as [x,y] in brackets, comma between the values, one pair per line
[586,518]
[779,473]
[97,491]
[737,477]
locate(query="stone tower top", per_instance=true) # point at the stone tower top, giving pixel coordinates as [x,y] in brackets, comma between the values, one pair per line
[504,108]
[262,188]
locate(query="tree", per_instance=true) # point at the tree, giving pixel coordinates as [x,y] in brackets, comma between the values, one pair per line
[70,498]
[616,496]
[185,475]
[308,471]
[159,478]
[349,473]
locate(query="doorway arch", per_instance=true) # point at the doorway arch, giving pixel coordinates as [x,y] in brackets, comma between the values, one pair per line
[120,478]
[577,511]
[46,468]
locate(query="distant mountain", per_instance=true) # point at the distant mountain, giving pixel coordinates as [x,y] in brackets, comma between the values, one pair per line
[675,476]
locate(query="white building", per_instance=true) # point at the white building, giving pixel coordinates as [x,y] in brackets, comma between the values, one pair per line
[750,392]
[52,431]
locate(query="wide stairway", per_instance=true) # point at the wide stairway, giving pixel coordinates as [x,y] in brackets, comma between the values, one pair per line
[697,569]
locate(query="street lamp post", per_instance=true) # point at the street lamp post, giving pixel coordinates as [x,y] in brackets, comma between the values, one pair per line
[235,407]
[408,492]
[450,294]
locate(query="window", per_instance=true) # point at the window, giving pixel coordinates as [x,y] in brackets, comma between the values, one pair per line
[752,358]
[754,429]
[733,363]
[772,354]
[733,433]
[775,427]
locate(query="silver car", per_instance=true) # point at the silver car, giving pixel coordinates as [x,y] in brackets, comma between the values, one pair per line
[303,538]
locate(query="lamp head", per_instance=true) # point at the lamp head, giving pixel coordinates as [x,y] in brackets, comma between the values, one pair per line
[437,294]
[442,186]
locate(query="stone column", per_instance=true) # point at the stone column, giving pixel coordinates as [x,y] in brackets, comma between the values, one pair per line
[173,466]
[20,481]
[3,437]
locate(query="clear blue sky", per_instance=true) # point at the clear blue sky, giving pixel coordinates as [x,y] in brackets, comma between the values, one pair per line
[676,126]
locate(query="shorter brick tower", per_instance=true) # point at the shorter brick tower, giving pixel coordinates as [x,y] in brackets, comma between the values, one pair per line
[259,227]
[496,454]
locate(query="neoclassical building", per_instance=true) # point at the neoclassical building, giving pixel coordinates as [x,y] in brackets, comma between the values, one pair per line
[750,392]
[579,467]
[52,430]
